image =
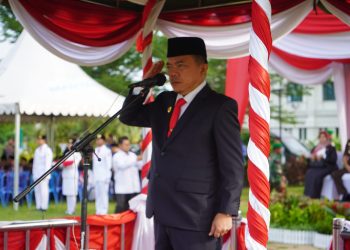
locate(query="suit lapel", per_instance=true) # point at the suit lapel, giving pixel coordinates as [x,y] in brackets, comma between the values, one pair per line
[169,108]
[187,115]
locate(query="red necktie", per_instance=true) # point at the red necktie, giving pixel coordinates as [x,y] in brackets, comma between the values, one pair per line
[175,115]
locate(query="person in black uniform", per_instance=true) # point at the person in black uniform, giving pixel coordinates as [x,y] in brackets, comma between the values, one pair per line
[196,177]
[323,162]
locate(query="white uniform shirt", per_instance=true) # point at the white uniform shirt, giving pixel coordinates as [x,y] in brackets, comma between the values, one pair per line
[42,160]
[71,171]
[102,169]
[126,173]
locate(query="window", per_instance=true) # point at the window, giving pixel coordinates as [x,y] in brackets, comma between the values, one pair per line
[328,91]
[295,92]
[302,133]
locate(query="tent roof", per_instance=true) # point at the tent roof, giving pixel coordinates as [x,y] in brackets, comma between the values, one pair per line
[44,84]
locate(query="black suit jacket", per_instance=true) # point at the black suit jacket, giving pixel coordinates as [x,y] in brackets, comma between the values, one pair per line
[197,171]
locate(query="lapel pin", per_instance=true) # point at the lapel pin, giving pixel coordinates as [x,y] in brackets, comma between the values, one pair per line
[169,109]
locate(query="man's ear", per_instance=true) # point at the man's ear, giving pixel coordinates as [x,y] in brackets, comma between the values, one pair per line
[204,68]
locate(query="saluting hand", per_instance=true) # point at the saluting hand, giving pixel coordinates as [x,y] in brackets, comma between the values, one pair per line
[221,224]
[154,70]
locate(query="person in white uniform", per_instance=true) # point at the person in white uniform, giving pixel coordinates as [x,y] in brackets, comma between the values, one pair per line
[70,178]
[102,174]
[126,175]
[41,163]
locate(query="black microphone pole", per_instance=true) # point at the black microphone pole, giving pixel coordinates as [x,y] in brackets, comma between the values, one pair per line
[84,147]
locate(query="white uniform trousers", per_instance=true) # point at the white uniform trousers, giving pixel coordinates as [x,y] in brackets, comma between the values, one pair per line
[101,197]
[71,203]
[41,192]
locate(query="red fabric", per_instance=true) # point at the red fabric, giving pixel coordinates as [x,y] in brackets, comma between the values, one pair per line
[237,80]
[175,115]
[85,23]
[16,239]
[223,16]
[304,62]
[343,5]
[319,22]
[67,163]
[241,237]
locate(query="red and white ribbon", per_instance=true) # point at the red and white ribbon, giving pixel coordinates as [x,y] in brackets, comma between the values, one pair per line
[258,216]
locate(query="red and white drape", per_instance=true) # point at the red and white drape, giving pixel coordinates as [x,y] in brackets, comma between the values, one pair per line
[88,34]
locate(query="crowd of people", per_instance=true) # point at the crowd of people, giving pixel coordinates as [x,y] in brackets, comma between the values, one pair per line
[113,164]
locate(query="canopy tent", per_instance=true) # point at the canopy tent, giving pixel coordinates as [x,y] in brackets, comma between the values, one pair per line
[45,85]
[36,83]
[89,34]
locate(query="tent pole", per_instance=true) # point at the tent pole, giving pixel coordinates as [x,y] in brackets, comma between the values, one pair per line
[16,167]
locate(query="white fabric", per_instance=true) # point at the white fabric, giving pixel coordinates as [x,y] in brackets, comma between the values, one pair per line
[319,46]
[70,175]
[329,189]
[233,41]
[189,97]
[41,192]
[44,84]
[143,237]
[73,52]
[307,77]
[126,173]
[101,197]
[258,158]
[42,244]
[337,12]
[42,160]
[259,208]
[71,203]
[343,99]
[102,169]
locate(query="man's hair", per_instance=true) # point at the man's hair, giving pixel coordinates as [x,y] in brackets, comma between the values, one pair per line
[199,59]
[122,139]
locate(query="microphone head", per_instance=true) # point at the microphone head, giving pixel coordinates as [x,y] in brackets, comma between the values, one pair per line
[160,79]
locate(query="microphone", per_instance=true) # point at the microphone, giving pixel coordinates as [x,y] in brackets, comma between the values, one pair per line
[157,80]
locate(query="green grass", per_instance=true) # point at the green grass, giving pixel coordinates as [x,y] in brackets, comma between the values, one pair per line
[57,211]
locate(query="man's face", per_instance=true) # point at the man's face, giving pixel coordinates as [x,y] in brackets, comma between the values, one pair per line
[125,145]
[99,142]
[185,73]
[40,141]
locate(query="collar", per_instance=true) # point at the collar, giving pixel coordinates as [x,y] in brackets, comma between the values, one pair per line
[190,96]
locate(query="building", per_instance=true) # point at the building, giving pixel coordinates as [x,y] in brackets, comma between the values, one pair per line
[313,112]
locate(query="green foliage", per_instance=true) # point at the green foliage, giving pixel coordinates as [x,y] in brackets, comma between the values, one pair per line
[10,28]
[301,213]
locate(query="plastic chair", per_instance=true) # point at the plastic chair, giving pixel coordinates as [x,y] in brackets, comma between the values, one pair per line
[54,186]
[2,188]
[24,181]
[8,187]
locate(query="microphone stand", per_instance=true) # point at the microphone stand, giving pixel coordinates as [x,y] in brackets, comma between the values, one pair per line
[85,148]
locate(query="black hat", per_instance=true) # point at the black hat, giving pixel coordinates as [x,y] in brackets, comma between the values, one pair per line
[180,46]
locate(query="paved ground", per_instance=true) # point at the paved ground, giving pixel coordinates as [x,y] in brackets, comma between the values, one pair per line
[278,246]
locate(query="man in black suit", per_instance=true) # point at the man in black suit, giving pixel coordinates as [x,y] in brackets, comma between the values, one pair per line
[196,177]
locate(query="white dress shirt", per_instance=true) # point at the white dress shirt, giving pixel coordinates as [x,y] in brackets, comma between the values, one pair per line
[42,160]
[126,173]
[102,169]
[189,97]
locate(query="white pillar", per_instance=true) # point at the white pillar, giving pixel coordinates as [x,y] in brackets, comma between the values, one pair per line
[16,167]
